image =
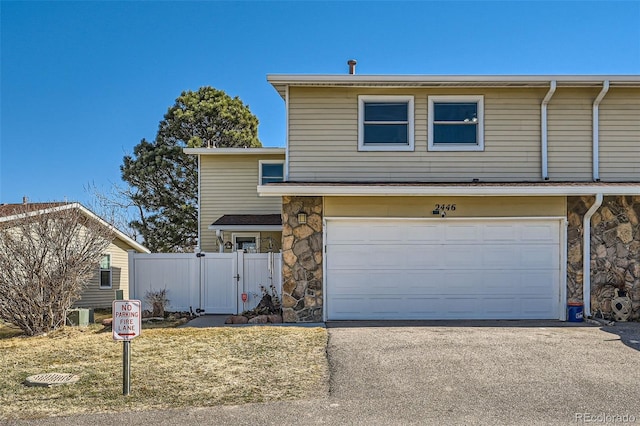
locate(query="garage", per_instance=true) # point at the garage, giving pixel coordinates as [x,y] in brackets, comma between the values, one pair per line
[450,268]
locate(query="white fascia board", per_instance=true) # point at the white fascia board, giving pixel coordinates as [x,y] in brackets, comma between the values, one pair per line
[478,191]
[245,227]
[293,79]
[233,151]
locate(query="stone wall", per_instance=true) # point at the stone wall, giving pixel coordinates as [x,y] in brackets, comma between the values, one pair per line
[302,295]
[615,251]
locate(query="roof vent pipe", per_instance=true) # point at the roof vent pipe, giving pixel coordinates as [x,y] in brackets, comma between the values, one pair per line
[543,130]
[596,130]
[25,200]
[352,66]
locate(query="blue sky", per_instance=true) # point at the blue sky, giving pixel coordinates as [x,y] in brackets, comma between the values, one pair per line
[83,82]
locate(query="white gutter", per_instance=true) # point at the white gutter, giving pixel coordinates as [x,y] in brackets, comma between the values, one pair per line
[286,135]
[446,190]
[543,131]
[538,80]
[231,228]
[234,151]
[586,255]
[596,130]
[199,206]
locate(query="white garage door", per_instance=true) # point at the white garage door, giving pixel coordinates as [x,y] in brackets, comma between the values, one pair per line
[442,269]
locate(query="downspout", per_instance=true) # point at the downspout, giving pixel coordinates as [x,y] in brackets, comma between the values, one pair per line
[586,255]
[198,246]
[543,130]
[596,130]
[286,136]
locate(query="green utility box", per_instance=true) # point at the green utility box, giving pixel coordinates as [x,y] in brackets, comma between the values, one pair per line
[79,317]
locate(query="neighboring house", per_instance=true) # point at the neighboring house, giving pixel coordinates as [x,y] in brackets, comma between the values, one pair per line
[444,197]
[112,273]
[231,214]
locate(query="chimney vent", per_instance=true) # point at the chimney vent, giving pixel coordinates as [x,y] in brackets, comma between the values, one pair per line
[25,200]
[352,66]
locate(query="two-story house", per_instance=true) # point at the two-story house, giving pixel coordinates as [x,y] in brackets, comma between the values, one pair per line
[449,197]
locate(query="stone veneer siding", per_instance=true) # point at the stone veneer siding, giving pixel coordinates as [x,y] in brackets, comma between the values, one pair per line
[302,295]
[615,250]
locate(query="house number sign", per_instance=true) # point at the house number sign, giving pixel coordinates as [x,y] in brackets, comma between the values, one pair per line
[445,207]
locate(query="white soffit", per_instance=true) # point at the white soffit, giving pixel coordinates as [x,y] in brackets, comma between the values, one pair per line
[441,190]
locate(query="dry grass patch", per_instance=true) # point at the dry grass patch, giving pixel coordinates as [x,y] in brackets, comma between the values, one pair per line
[9,330]
[170,368]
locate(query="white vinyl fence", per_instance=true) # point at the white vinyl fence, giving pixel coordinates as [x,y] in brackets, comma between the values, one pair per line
[213,282]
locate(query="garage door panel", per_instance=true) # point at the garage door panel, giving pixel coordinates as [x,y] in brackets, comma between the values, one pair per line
[459,257]
[425,234]
[539,255]
[457,233]
[500,233]
[542,233]
[395,269]
[423,257]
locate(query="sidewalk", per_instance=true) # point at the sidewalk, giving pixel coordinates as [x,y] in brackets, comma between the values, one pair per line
[206,321]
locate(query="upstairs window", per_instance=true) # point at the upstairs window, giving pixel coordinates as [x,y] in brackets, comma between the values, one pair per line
[105,271]
[385,123]
[271,171]
[456,123]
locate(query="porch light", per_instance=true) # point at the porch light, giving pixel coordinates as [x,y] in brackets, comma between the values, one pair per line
[302,218]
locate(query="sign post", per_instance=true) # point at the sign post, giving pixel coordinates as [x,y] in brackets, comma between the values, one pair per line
[126,325]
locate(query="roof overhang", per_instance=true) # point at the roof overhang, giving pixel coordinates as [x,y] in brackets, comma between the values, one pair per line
[234,151]
[470,190]
[281,81]
[248,222]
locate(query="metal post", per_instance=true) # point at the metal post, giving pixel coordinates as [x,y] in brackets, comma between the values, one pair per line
[126,368]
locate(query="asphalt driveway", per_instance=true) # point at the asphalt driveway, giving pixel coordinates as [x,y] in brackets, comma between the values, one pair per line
[486,372]
[508,372]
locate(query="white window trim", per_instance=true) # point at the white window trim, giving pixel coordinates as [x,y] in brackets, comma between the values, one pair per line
[386,147]
[479,146]
[255,235]
[261,162]
[100,286]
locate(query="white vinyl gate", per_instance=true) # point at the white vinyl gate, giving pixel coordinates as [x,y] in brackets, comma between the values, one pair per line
[213,282]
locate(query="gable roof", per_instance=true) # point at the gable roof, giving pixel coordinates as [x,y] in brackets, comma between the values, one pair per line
[10,212]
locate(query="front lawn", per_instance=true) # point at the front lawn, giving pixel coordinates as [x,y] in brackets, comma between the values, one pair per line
[170,368]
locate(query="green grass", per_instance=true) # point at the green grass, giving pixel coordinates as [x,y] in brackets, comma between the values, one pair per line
[170,368]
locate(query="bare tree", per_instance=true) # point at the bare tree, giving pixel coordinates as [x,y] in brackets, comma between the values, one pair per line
[46,259]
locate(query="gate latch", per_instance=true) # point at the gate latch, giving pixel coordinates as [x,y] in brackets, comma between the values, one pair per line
[199,254]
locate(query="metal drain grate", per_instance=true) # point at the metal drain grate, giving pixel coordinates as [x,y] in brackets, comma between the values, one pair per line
[51,379]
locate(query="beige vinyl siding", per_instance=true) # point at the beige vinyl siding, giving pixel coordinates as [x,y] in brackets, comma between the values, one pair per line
[620,135]
[422,207]
[228,185]
[323,139]
[95,297]
[570,138]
